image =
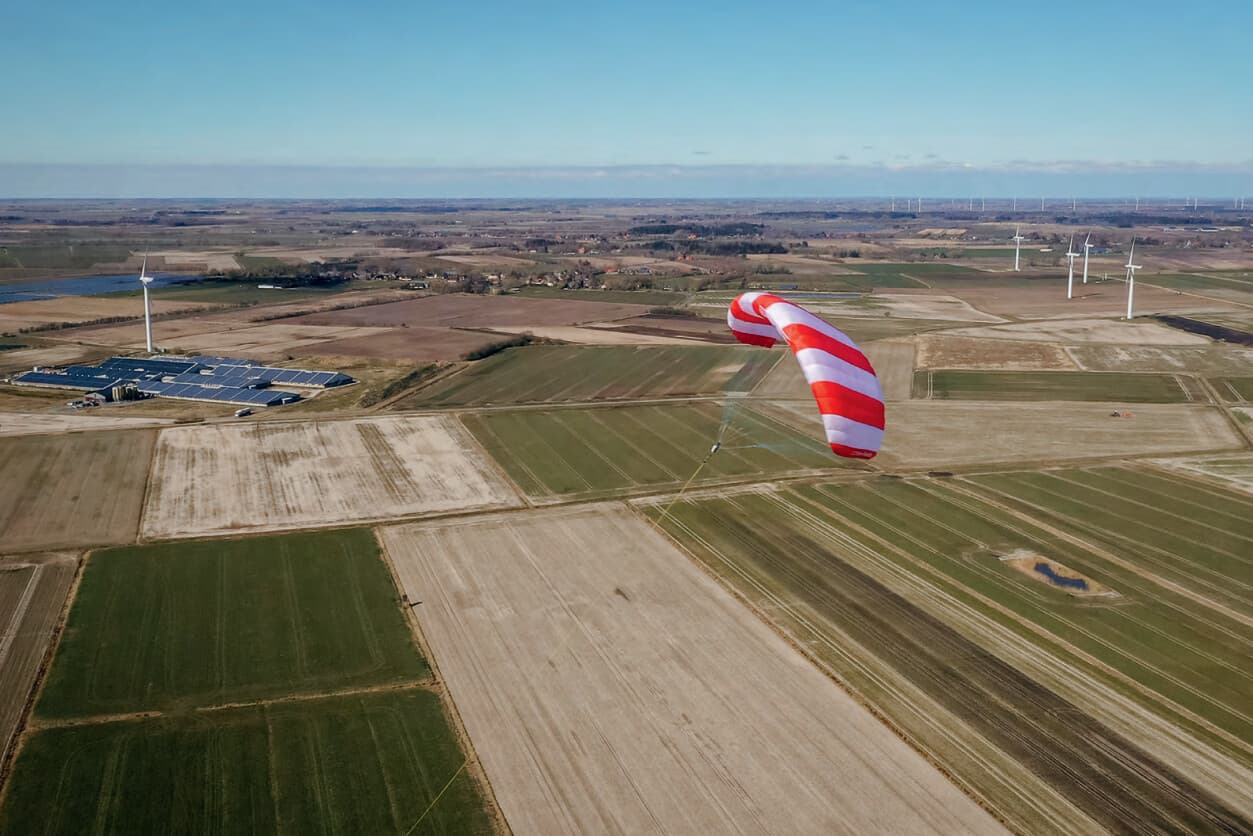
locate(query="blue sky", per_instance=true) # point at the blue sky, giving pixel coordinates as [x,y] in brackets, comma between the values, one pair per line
[563,97]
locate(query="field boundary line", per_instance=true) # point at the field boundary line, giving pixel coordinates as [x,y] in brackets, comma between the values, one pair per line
[894,685]
[25,723]
[351,691]
[439,687]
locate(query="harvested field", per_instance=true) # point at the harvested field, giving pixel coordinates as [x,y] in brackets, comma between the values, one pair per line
[49,423]
[271,340]
[1108,387]
[1237,389]
[706,328]
[32,593]
[931,434]
[24,359]
[1236,469]
[1081,331]
[893,362]
[17,315]
[367,763]
[79,489]
[132,334]
[594,453]
[629,297]
[207,261]
[941,351]
[1022,691]
[546,374]
[904,305]
[1042,299]
[253,477]
[630,693]
[468,311]
[1209,359]
[417,345]
[588,335]
[217,622]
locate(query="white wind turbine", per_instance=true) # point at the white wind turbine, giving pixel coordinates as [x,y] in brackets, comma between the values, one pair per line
[1018,239]
[146,280]
[1071,255]
[1131,278]
[1087,246]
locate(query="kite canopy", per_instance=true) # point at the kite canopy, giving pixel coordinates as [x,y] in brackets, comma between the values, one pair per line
[842,379]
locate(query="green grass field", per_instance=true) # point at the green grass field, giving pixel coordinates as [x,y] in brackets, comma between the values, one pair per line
[1120,387]
[368,763]
[583,373]
[909,570]
[74,256]
[1234,388]
[599,452]
[211,622]
[628,297]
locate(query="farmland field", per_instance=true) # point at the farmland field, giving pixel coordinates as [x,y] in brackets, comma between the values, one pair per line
[1133,711]
[79,489]
[464,311]
[932,433]
[1110,387]
[32,592]
[893,362]
[610,686]
[940,351]
[367,763]
[630,297]
[214,622]
[1209,359]
[1234,469]
[250,477]
[1235,388]
[581,373]
[601,451]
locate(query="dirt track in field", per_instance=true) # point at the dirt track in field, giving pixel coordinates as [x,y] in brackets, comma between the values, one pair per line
[32,592]
[610,686]
[77,489]
[255,477]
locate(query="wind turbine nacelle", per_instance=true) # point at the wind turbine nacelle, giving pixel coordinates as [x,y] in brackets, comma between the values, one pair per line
[146,279]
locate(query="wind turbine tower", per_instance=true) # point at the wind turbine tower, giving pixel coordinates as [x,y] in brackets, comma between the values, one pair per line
[145,280]
[1087,246]
[1131,278]
[1071,255]
[1018,239]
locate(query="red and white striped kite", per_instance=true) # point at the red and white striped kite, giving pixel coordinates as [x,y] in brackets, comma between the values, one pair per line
[842,379]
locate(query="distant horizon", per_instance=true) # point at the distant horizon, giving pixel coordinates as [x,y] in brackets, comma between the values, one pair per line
[1026,181]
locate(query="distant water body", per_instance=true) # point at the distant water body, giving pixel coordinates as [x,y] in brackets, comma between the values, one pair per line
[82,286]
